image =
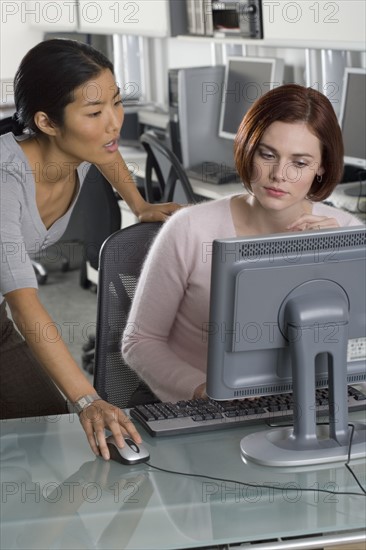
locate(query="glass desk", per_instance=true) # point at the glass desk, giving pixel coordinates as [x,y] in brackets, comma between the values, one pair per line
[57,495]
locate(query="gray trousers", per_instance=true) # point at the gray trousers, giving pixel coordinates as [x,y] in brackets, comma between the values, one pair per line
[25,388]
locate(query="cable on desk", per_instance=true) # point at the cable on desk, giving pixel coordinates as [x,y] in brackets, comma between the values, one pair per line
[273,487]
[349,448]
[257,485]
[349,459]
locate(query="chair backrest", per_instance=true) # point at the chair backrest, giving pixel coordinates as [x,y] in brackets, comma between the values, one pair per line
[98,212]
[121,260]
[170,177]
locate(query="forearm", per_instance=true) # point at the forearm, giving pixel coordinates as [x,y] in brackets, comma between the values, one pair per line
[43,338]
[169,376]
[151,345]
[122,180]
[120,177]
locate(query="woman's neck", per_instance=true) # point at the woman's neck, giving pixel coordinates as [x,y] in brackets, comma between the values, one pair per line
[250,218]
[55,179]
[49,165]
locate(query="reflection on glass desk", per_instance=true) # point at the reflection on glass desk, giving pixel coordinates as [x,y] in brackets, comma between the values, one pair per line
[56,494]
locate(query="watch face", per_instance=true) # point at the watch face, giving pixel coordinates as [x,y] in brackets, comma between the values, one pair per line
[82,402]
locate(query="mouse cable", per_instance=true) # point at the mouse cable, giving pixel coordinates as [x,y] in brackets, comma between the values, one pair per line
[273,487]
[349,460]
[347,463]
[255,485]
[361,176]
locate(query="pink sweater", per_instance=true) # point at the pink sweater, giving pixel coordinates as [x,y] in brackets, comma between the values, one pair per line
[165,342]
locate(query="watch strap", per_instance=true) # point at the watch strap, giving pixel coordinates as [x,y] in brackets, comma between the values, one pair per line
[84,402]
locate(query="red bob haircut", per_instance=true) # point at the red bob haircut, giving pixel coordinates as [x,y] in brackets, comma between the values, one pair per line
[293,103]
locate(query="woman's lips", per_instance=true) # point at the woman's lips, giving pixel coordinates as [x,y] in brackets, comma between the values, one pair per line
[275,192]
[112,146]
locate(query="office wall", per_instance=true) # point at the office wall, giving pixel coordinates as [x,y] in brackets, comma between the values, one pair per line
[187,54]
[14,44]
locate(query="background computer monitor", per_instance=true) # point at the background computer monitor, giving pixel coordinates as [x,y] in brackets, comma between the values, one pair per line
[352,118]
[246,79]
[285,315]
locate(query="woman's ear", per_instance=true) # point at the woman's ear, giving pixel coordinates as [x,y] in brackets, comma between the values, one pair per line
[44,124]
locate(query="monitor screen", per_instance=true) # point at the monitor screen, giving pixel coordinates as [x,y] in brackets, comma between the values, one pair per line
[287,313]
[246,79]
[352,116]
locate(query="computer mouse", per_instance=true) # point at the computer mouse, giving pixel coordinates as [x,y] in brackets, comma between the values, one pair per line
[131,453]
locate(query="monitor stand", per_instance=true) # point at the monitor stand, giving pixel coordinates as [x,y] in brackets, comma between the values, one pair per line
[307,313]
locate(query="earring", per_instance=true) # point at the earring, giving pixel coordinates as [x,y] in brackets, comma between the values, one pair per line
[319,178]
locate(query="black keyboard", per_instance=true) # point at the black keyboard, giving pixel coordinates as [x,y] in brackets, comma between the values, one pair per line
[211,172]
[161,419]
[352,173]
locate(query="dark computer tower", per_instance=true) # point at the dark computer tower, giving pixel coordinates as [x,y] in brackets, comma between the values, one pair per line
[195,98]
[174,113]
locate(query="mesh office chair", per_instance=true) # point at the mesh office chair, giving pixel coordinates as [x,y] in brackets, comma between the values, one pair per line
[171,182]
[99,213]
[121,259]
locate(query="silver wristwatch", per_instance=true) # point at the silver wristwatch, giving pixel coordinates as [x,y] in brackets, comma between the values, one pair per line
[84,402]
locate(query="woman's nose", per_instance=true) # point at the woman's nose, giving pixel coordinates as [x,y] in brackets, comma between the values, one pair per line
[278,172]
[115,120]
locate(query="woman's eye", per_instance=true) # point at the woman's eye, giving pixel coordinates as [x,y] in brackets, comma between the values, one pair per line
[93,115]
[300,164]
[118,103]
[266,156]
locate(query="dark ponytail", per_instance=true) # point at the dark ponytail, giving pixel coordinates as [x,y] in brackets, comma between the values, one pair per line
[11,124]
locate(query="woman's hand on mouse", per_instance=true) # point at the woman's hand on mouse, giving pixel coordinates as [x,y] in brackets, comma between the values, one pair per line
[101,415]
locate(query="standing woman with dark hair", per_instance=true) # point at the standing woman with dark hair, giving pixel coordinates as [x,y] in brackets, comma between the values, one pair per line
[68,114]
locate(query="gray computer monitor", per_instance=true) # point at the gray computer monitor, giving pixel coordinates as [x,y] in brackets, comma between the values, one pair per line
[352,118]
[287,314]
[246,79]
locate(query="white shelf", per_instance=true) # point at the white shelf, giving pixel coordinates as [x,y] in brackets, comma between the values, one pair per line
[277,43]
[317,25]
